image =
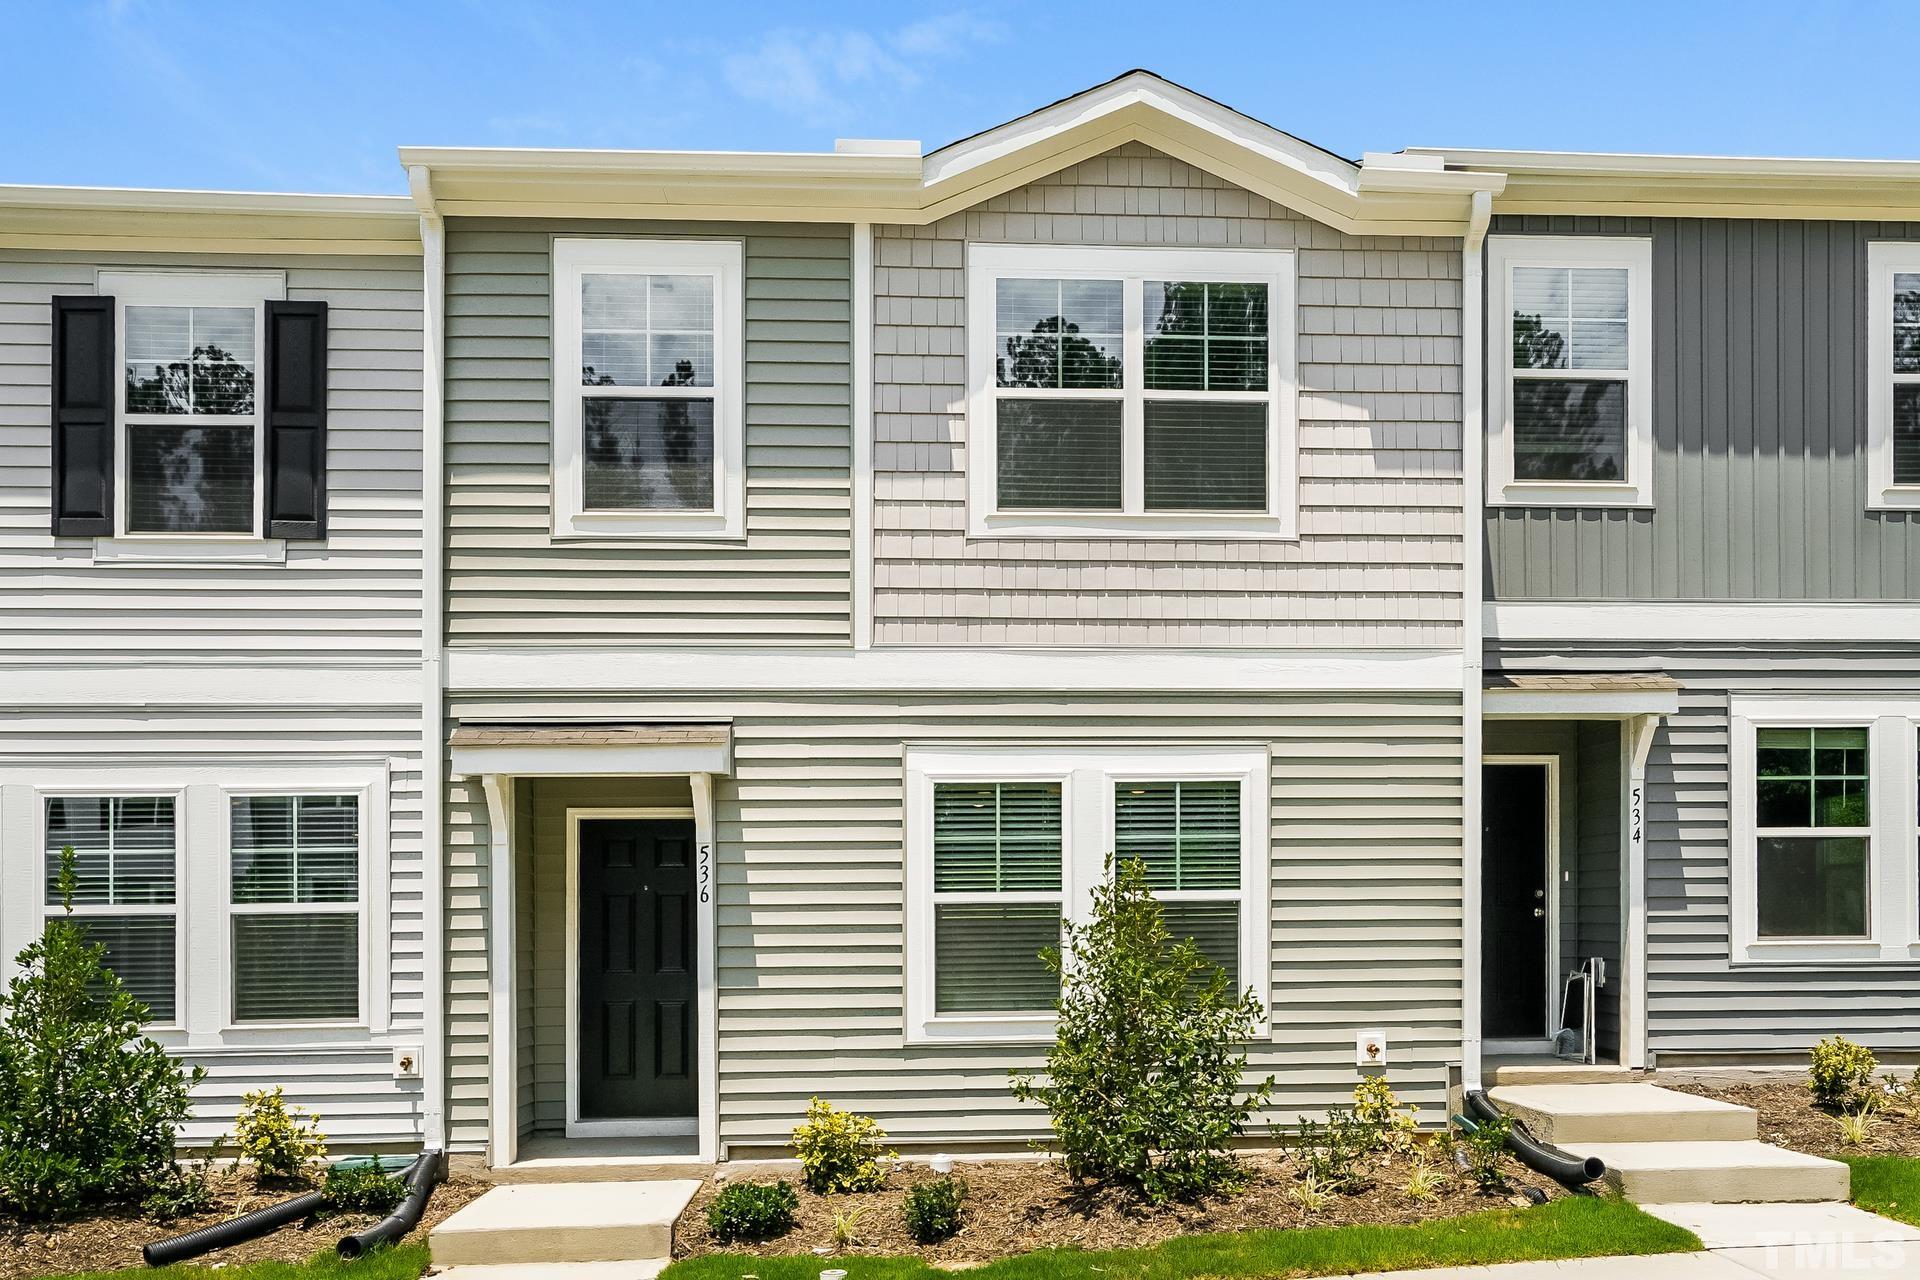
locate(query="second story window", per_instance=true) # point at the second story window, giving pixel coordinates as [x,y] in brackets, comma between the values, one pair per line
[1132,392]
[648,438]
[1569,348]
[1893,375]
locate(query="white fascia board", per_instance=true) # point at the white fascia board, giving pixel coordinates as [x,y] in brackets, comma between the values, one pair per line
[155,200]
[592,761]
[500,669]
[165,685]
[1603,164]
[1560,704]
[741,164]
[1742,622]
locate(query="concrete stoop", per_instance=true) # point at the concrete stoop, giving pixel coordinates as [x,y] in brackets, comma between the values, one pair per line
[1664,1147]
[626,1227]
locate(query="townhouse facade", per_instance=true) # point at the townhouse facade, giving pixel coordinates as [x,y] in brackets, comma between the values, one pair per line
[716,614]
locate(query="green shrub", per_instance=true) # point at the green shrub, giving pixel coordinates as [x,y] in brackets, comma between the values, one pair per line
[1143,1083]
[1331,1154]
[362,1188]
[840,1152]
[1840,1067]
[752,1210]
[185,1193]
[89,1108]
[933,1209]
[1375,1106]
[281,1141]
[1483,1151]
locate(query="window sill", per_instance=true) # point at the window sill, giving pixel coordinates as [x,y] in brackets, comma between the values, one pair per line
[166,552]
[1142,526]
[1895,497]
[1533,494]
[1004,1030]
[675,527]
[1779,955]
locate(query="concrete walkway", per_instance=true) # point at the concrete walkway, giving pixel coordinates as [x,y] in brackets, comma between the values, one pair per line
[1744,1241]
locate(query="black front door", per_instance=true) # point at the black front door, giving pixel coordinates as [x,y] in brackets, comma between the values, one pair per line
[1513,902]
[637,969]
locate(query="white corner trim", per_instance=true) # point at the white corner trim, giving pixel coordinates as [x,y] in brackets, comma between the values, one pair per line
[862,551]
[1779,621]
[1635,254]
[1636,745]
[1473,331]
[707,867]
[1885,258]
[723,261]
[987,264]
[432,703]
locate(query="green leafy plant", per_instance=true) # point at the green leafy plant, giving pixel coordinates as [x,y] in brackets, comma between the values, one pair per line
[846,1228]
[933,1209]
[281,1141]
[1423,1180]
[1856,1126]
[1839,1069]
[1144,1081]
[752,1210]
[1309,1193]
[362,1188]
[90,1109]
[1482,1149]
[184,1193]
[1333,1154]
[840,1152]
[1375,1106]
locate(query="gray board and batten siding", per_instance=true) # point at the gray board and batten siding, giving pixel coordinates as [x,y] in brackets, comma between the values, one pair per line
[1759,406]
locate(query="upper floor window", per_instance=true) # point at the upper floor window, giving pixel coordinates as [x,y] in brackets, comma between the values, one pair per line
[191,447]
[1133,392]
[647,403]
[1893,375]
[1571,393]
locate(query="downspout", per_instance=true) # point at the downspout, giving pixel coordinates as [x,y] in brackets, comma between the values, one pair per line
[433,1004]
[1473,342]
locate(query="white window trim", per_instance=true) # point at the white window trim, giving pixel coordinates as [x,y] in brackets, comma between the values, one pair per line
[989,263]
[1893,914]
[724,261]
[1504,253]
[1087,778]
[189,289]
[1885,258]
[203,886]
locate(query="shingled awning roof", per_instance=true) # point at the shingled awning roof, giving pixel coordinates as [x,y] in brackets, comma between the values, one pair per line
[1584,682]
[592,748]
[598,735]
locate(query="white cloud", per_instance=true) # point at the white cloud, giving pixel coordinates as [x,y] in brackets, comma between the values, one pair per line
[815,74]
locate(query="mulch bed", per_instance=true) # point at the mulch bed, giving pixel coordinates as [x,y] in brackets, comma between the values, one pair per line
[1014,1206]
[1789,1119]
[100,1241]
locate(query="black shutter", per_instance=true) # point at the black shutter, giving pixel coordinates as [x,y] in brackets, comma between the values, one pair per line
[83,382]
[295,403]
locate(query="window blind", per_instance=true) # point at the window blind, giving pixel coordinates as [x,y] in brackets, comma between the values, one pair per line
[1187,835]
[296,896]
[997,850]
[124,868]
[1570,360]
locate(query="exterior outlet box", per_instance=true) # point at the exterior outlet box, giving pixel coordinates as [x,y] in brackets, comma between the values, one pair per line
[1370,1048]
[406,1063]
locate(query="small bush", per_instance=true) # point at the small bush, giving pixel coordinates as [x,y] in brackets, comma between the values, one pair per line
[752,1210]
[1483,1151]
[1856,1126]
[281,1141]
[1332,1154]
[1309,1194]
[1375,1106]
[846,1228]
[1144,1081]
[1423,1180]
[839,1151]
[1840,1067]
[89,1107]
[362,1188]
[185,1193]
[933,1209]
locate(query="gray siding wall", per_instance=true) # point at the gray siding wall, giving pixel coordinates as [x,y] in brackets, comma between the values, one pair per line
[1698,1003]
[354,597]
[1365,892]
[1378,559]
[509,581]
[1760,402]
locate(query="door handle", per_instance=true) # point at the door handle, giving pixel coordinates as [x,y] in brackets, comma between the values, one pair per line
[1539,913]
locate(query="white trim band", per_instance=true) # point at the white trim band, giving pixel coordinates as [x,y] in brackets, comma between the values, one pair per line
[1744,622]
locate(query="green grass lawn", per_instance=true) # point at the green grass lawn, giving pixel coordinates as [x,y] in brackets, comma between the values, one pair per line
[1887,1185]
[1572,1228]
[407,1262]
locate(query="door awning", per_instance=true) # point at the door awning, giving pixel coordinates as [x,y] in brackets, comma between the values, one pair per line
[1579,695]
[592,749]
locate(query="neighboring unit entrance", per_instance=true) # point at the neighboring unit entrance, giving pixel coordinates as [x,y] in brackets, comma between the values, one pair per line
[1516,900]
[637,998]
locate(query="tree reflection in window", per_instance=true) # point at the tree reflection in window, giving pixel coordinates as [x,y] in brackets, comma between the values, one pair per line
[211,381]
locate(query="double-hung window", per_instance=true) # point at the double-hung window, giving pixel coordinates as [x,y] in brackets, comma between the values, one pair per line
[1570,399]
[647,389]
[125,858]
[190,415]
[1132,392]
[295,894]
[1813,833]
[1002,844]
[1893,375]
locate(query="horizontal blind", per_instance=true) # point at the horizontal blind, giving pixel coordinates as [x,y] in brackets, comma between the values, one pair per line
[987,957]
[1001,836]
[289,849]
[289,968]
[296,851]
[993,838]
[123,848]
[141,953]
[1186,833]
[1214,928]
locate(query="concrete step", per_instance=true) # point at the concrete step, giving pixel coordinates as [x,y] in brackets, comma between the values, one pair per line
[1715,1172]
[626,1222]
[646,1270]
[1567,1113]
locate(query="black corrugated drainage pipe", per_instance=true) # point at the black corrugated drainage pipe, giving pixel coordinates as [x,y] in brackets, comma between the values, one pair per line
[422,1176]
[248,1226]
[1566,1169]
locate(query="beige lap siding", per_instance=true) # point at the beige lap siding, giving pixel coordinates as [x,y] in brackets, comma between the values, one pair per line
[1365,901]
[1379,554]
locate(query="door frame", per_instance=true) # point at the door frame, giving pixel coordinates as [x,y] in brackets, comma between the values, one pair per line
[1548,1014]
[652,1126]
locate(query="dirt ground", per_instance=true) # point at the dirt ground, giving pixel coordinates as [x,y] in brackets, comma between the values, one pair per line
[1789,1119]
[104,1240]
[1013,1206]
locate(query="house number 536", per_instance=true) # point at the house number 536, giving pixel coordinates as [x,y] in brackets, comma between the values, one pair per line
[706,872]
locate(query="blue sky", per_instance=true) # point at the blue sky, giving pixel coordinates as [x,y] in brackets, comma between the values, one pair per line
[315,96]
